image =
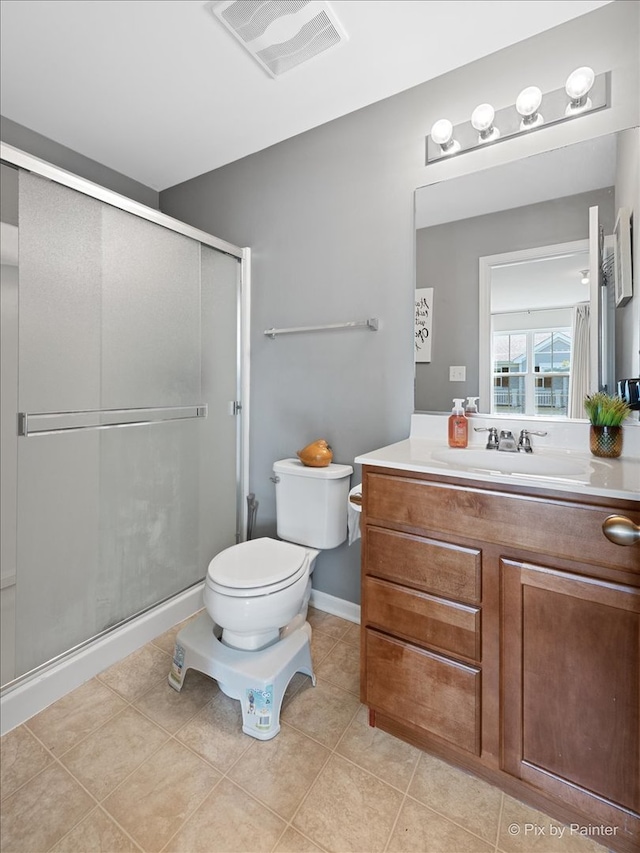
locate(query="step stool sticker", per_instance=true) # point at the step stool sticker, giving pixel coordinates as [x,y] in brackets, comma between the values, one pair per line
[260,706]
[177,664]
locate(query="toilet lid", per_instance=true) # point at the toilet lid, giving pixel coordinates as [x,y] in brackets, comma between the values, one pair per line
[257,563]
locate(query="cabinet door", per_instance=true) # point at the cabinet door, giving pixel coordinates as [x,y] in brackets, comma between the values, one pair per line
[571,688]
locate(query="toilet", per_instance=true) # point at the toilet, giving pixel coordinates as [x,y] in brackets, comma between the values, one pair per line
[253,636]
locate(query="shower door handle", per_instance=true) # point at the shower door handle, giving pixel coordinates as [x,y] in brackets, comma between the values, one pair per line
[48,423]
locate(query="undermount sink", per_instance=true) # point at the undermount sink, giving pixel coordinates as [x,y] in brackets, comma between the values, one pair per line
[510,463]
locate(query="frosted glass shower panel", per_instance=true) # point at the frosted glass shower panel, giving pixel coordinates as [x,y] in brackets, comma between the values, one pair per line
[149,485]
[150,314]
[218,433]
[58,527]
[60,296]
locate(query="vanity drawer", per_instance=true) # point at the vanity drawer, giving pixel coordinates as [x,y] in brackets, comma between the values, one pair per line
[437,695]
[444,625]
[426,564]
[560,528]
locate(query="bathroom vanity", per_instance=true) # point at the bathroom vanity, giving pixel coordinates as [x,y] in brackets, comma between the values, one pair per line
[501,628]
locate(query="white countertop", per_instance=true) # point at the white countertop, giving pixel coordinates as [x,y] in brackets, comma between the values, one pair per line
[564,468]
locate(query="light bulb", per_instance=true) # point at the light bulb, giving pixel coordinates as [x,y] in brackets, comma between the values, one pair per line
[442,135]
[527,104]
[585,276]
[442,131]
[482,119]
[577,87]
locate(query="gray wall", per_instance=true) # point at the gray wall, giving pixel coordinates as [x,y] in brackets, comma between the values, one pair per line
[328,215]
[447,260]
[33,143]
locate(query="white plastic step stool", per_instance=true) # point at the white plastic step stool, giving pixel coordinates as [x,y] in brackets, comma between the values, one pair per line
[257,679]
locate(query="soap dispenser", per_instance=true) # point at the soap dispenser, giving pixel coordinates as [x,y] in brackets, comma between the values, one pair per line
[471,407]
[458,425]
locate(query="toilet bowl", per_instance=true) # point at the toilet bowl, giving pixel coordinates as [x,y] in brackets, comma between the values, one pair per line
[255,589]
[254,636]
[258,591]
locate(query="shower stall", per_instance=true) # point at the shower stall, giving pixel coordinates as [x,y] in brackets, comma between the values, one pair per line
[122,419]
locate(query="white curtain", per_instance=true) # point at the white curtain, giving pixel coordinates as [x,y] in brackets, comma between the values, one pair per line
[580,367]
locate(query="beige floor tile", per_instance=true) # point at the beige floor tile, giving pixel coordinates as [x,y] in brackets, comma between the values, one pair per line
[114,751]
[216,733]
[167,640]
[457,795]
[21,757]
[524,829]
[326,623]
[97,833]
[37,815]
[171,709]
[352,635]
[293,842]
[229,821]
[321,645]
[70,719]
[279,772]
[294,685]
[323,711]
[342,667]
[348,809]
[154,802]
[134,675]
[419,829]
[382,754]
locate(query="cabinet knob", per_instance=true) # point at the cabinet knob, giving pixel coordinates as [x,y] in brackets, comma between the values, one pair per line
[621,530]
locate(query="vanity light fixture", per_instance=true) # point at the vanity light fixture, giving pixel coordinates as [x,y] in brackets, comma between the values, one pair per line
[442,135]
[532,110]
[482,119]
[584,276]
[579,84]
[527,104]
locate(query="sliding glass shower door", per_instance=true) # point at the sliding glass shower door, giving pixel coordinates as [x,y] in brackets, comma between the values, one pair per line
[127,458]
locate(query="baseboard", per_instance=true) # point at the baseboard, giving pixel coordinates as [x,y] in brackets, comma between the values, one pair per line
[336,606]
[28,696]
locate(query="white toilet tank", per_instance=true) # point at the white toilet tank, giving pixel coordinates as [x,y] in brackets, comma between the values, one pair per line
[311,503]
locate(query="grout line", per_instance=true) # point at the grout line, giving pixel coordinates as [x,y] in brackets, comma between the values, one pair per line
[404,799]
[499,822]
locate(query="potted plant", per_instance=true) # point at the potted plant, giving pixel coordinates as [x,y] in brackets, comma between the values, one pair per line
[606,413]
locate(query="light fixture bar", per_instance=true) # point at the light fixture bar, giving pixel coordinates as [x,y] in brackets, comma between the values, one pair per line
[508,122]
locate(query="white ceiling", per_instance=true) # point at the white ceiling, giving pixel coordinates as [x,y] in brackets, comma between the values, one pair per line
[159,91]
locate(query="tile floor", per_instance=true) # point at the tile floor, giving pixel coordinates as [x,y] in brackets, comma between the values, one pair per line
[124,763]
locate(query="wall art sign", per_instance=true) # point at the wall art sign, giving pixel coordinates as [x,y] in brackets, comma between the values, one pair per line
[423,323]
[622,249]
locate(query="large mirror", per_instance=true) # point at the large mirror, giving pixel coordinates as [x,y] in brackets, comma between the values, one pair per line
[515,256]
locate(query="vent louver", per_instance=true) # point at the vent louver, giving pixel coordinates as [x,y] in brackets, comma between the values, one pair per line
[278,34]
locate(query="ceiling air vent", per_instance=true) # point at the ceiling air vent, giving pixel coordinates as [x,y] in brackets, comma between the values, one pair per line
[280,34]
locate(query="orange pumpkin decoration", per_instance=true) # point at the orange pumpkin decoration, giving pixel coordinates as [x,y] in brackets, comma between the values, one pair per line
[318,454]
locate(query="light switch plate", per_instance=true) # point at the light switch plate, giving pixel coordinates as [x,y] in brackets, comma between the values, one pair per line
[457,374]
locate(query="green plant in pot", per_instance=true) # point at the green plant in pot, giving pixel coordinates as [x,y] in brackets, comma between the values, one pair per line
[606,413]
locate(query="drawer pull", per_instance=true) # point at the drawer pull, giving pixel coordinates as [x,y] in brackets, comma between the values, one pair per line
[621,530]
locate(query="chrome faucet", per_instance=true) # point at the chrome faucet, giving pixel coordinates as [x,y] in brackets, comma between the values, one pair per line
[492,438]
[506,442]
[524,440]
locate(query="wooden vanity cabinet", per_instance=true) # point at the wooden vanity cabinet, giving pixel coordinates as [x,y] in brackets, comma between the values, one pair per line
[501,631]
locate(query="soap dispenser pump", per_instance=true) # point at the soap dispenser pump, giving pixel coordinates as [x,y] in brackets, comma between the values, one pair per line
[471,407]
[458,425]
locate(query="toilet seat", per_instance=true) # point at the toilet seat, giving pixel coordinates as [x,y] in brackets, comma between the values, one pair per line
[257,567]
